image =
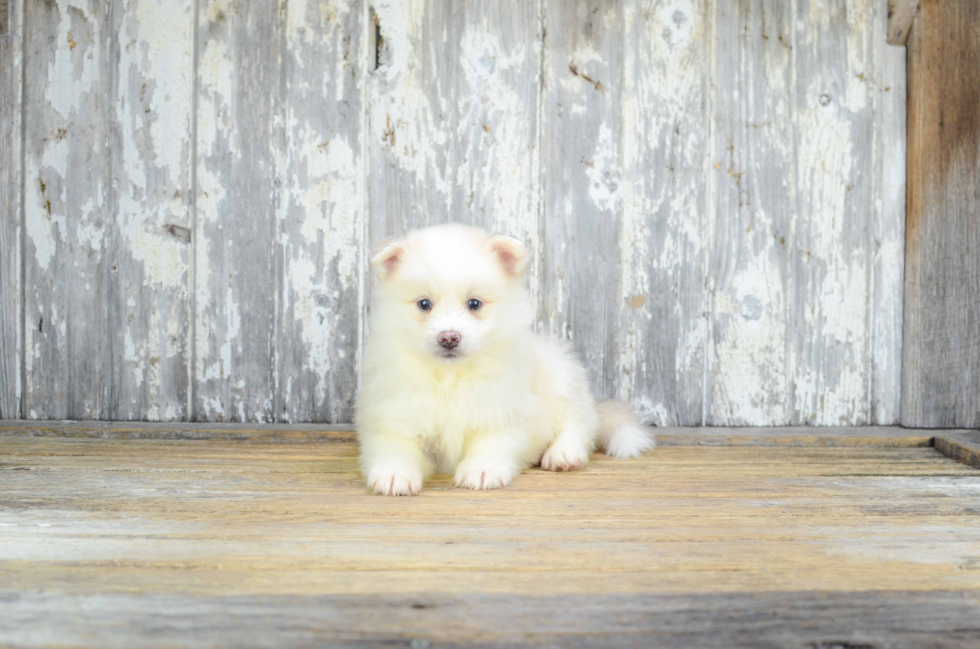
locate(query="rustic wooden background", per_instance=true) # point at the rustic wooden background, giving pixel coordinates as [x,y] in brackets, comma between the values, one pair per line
[714,191]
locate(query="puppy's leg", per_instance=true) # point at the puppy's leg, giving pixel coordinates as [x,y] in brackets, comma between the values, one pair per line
[394,465]
[577,422]
[572,448]
[568,410]
[492,460]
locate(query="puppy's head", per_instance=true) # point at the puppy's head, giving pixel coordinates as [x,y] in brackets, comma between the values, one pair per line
[450,293]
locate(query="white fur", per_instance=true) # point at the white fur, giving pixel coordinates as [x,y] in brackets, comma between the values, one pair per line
[508,400]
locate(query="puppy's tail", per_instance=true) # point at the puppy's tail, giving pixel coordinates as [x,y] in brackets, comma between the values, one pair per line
[620,434]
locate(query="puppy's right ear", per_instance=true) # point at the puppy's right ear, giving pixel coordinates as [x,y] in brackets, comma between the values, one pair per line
[510,253]
[387,256]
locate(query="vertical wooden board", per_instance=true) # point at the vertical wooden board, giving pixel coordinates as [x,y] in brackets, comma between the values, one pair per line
[581,182]
[831,248]
[452,112]
[941,368]
[453,119]
[661,341]
[151,55]
[889,236]
[66,172]
[235,253]
[11,286]
[321,211]
[752,253]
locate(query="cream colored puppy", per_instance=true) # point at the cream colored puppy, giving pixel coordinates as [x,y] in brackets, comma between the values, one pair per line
[455,381]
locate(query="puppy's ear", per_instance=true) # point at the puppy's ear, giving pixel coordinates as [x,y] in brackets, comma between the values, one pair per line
[510,253]
[387,256]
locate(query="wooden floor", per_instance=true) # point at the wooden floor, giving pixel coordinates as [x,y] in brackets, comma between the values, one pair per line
[119,542]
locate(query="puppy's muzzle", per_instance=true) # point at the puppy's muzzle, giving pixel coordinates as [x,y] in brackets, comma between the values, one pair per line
[449,339]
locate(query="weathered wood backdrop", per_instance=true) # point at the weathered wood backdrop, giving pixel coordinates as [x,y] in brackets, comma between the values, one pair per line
[714,191]
[941,381]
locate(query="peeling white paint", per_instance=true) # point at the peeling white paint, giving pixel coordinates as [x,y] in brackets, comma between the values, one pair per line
[64,208]
[751,346]
[837,307]
[155,66]
[399,112]
[663,233]
[805,315]
[41,229]
[212,342]
[603,172]
[77,61]
[330,198]
[315,320]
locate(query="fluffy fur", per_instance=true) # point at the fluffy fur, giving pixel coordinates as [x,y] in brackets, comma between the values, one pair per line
[501,401]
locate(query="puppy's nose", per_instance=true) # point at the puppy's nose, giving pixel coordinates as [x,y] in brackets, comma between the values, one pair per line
[449,339]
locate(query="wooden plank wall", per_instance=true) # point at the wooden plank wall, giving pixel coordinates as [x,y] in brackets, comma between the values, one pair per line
[66,203]
[713,191]
[11,294]
[941,386]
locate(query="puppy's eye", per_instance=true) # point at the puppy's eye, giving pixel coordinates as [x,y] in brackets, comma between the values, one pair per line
[474,305]
[424,304]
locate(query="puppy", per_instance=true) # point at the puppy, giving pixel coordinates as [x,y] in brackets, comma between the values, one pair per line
[455,381]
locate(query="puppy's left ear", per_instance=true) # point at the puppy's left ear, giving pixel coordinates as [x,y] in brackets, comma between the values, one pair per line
[510,253]
[387,256]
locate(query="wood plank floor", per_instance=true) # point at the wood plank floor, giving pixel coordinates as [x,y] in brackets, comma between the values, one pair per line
[142,542]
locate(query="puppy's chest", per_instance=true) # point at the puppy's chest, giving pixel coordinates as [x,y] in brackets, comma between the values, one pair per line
[457,409]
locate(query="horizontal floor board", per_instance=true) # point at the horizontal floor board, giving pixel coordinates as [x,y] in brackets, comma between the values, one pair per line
[214,541]
[299,433]
[870,619]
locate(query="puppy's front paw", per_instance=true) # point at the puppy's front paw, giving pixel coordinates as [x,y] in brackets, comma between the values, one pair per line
[484,475]
[562,456]
[395,480]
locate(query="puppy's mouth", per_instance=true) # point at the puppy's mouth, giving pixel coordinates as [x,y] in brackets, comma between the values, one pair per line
[449,355]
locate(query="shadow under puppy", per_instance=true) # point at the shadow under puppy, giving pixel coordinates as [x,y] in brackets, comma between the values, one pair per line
[455,380]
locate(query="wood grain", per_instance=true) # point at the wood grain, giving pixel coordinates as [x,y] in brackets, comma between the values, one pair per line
[941,372]
[293,433]
[308,433]
[753,178]
[11,279]
[712,193]
[109,537]
[237,257]
[899,619]
[800,436]
[320,183]
[962,446]
[67,359]
[889,93]
[150,62]
[831,243]
[452,116]
[582,176]
[658,348]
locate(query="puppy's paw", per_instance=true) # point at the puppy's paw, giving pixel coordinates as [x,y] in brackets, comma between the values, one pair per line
[564,456]
[395,480]
[485,474]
